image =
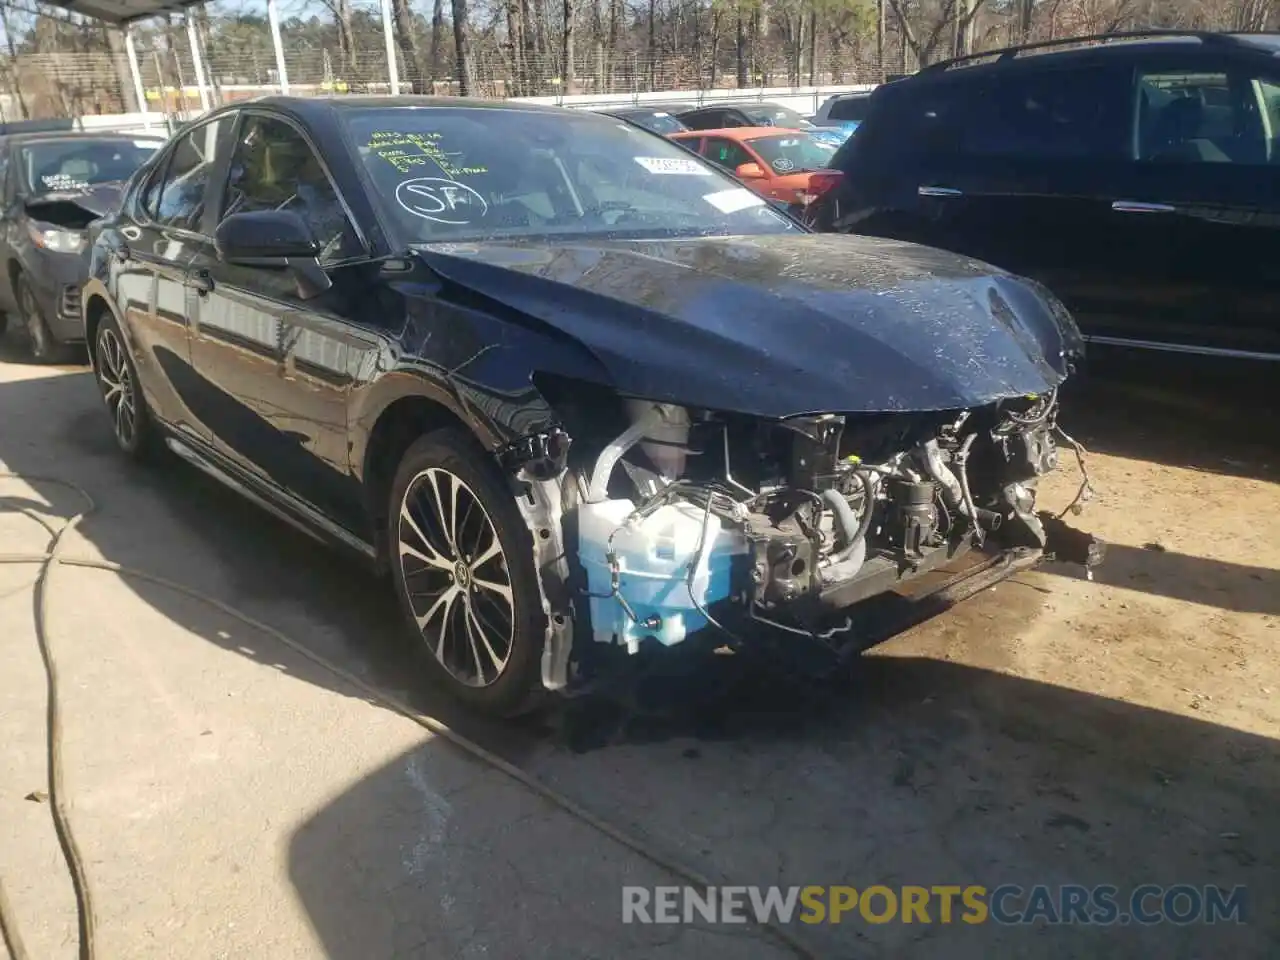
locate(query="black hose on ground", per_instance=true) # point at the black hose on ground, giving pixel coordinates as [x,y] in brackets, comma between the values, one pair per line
[84,906]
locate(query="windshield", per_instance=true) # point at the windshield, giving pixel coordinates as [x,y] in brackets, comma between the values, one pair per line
[458,173]
[793,153]
[657,121]
[772,115]
[51,165]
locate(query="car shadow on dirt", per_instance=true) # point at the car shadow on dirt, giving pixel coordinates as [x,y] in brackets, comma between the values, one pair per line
[171,520]
[927,772]
[1217,417]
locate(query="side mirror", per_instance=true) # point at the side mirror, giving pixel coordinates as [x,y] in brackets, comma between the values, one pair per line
[749,171]
[265,238]
[274,238]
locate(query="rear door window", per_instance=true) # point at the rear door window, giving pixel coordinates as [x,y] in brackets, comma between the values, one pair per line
[1206,116]
[849,109]
[1048,115]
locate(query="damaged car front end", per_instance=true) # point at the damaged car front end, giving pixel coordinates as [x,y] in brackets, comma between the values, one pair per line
[767,437]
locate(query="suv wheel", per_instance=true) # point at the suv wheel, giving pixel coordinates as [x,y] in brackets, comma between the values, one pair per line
[44,347]
[118,380]
[464,572]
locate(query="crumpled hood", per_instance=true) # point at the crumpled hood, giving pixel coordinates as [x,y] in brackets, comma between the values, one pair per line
[99,199]
[781,325]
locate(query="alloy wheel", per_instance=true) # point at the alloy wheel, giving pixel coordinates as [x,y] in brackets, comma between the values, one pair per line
[456,577]
[116,380]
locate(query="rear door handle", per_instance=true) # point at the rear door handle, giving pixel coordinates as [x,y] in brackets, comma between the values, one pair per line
[924,191]
[1137,206]
[200,281]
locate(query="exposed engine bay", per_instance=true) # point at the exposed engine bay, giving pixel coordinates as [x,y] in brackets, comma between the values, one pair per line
[685,518]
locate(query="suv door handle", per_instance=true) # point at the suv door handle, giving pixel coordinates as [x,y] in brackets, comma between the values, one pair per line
[201,281]
[1137,206]
[924,191]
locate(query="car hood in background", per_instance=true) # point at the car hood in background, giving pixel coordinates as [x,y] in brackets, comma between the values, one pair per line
[784,324]
[99,199]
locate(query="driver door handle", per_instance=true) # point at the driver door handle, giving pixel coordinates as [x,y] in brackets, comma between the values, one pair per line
[926,191]
[201,281]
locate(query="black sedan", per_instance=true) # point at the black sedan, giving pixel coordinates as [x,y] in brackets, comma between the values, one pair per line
[56,185]
[577,390]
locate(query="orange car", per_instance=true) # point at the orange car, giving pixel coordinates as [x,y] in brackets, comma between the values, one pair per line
[779,164]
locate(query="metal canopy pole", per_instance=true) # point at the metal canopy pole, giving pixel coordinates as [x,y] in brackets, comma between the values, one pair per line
[197,62]
[273,15]
[392,70]
[134,71]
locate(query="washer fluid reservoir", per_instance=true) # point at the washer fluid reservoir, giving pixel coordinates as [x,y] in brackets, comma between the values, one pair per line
[653,555]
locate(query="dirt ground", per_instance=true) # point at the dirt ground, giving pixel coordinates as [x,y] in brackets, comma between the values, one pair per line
[1054,730]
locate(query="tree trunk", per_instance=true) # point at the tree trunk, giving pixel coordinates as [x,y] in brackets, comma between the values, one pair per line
[120,61]
[567,48]
[437,40]
[741,43]
[813,49]
[717,19]
[532,65]
[880,25]
[461,45]
[653,44]
[402,18]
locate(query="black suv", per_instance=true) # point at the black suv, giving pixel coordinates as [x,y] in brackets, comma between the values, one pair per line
[1136,175]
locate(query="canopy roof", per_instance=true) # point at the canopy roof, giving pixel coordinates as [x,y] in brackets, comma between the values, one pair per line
[123,11]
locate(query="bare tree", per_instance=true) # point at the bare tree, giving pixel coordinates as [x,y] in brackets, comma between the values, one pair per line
[462,46]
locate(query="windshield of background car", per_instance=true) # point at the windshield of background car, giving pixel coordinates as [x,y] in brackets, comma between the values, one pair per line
[658,122]
[51,165]
[772,116]
[457,173]
[793,153]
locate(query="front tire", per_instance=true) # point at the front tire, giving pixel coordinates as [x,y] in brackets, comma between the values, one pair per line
[462,561]
[121,393]
[45,348]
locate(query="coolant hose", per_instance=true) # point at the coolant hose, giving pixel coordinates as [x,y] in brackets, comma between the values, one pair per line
[852,529]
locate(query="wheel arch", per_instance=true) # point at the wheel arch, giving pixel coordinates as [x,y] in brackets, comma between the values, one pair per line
[377,452]
[96,306]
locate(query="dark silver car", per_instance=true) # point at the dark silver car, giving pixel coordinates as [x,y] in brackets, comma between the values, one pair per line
[54,186]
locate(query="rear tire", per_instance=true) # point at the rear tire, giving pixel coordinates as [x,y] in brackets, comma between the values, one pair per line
[44,347]
[117,378]
[463,567]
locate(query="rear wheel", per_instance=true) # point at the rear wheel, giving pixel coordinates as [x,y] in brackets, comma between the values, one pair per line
[44,346]
[464,572]
[118,381]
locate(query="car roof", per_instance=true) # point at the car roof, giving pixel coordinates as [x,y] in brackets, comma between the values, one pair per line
[313,108]
[743,105]
[51,135]
[1073,50]
[645,108]
[737,133]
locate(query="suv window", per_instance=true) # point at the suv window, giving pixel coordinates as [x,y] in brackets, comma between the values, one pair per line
[703,119]
[727,153]
[849,108]
[176,195]
[273,168]
[1206,117]
[1047,114]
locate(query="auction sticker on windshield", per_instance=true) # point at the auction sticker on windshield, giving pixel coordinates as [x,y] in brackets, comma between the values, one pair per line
[677,166]
[731,201]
